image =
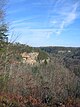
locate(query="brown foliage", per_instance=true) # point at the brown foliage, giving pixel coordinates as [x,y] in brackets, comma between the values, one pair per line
[14,100]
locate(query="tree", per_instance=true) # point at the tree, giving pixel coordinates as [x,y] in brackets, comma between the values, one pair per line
[3,25]
[3,35]
[3,44]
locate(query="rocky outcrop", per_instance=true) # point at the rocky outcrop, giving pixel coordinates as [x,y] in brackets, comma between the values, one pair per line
[30,58]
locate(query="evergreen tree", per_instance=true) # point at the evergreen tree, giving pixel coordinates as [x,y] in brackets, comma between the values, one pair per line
[3,26]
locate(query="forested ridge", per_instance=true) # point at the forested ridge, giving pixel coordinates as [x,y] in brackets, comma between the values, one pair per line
[37,76]
[49,83]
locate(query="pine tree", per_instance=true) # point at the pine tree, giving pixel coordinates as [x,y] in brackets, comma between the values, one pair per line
[3,26]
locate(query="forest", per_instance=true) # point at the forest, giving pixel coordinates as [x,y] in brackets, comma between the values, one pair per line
[37,76]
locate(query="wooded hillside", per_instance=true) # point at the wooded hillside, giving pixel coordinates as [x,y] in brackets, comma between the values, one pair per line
[51,83]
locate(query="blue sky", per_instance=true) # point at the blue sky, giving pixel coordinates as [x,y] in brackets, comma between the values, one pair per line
[44,22]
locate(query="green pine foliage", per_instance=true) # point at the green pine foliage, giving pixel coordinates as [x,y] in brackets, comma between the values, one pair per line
[42,55]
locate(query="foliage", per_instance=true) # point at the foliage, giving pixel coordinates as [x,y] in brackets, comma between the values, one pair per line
[52,79]
[3,26]
[54,84]
[42,55]
[15,100]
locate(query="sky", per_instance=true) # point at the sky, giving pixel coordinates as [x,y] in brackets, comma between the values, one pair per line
[44,22]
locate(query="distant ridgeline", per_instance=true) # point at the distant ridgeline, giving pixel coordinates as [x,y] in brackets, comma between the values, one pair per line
[70,52]
[56,50]
[69,55]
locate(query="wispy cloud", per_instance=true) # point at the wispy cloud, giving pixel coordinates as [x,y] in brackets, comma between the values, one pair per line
[66,14]
[34,37]
[43,19]
[26,19]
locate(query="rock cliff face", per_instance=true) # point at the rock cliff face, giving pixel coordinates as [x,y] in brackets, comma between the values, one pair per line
[30,58]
